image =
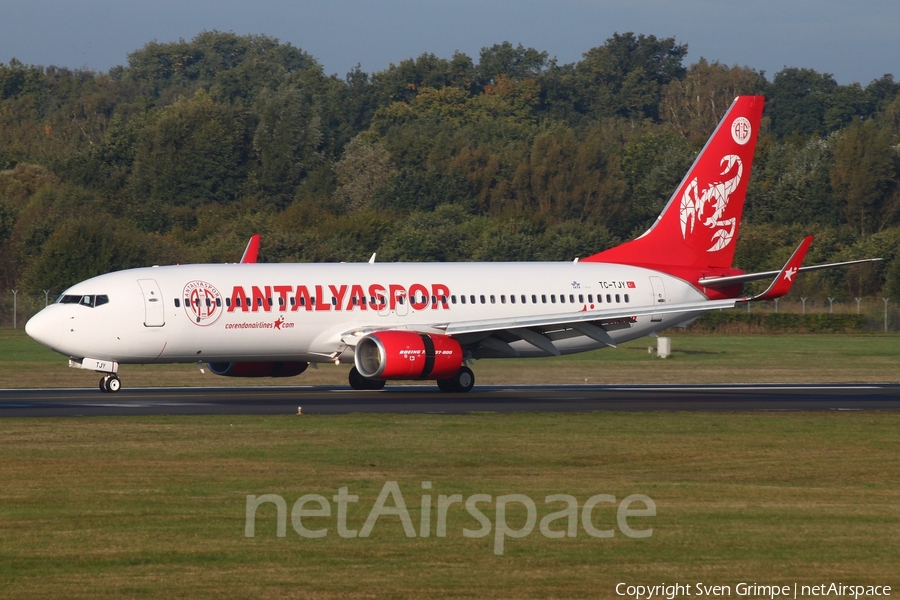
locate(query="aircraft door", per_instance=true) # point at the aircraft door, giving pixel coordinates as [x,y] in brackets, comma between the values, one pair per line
[401,303]
[659,295]
[154,310]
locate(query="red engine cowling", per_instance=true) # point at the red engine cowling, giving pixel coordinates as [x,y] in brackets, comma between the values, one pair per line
[407,355]
[258,369]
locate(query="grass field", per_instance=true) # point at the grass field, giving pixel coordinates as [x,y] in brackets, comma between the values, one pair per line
[697,358]
[155,507]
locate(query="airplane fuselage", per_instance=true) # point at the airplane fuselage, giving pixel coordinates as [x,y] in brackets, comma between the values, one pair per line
[303,312]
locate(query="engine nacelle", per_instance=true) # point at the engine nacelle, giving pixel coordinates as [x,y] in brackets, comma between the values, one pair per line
[407,355]
[258,369]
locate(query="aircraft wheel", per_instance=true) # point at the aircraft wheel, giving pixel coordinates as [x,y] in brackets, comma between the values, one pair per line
[114,384]
[357,381]
[463,381]
[103,383]
[375,384]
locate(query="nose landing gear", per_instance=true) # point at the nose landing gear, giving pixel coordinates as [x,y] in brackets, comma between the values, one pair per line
[110,384]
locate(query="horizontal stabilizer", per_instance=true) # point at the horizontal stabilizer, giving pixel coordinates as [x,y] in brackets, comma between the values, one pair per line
[788,274]
[719,282]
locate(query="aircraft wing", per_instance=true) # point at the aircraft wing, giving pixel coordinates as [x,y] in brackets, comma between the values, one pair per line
[533,329]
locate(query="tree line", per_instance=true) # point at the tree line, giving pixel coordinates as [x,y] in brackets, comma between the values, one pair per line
[183,153]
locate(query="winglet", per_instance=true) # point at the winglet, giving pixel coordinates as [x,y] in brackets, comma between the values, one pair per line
[787,275]
[252,250]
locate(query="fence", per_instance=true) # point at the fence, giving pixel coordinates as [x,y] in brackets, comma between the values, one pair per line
[16,306]
[874,313]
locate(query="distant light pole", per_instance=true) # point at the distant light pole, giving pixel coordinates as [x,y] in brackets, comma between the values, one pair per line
[803,300]
[885,313]
[46,297]
[831,306]
[15,294]
[776,305]
[857,304]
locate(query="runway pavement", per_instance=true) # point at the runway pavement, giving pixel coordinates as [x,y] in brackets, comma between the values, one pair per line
[427,399]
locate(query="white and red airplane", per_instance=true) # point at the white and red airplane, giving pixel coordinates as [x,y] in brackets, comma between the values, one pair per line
[426,320]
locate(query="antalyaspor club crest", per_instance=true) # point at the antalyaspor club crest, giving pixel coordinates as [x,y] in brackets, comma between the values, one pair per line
[202,302]
[696,204]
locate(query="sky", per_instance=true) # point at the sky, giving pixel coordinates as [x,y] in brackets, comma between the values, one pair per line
[855,41]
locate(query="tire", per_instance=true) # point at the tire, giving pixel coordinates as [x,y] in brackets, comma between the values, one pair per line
[357,381]
[103,381]
[114,384]
[464,380]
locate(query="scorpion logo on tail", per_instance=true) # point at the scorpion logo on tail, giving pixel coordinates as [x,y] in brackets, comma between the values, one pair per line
[694,204]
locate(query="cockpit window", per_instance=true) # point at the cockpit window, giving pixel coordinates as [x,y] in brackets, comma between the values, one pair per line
[89,300]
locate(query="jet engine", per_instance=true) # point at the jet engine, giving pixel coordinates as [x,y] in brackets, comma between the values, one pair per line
[258,369]
[407,355]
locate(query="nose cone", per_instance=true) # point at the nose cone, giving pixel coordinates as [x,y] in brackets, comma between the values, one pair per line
[45,328]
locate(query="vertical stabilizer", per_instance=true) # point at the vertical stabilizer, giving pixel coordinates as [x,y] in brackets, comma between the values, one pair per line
[698,227]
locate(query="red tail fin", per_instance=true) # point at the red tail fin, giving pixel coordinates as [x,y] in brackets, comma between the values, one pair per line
[699,226]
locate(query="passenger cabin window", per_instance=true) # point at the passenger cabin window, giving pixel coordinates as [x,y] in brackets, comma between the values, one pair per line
[493,301]
[453,298]
[177,303]
[503,299]
[533,299]
[572,298]
[562,298]
[553,298]
[544,298]
[512,298]
[523,299]
[472,298]
[617,298]
[462,299]
[608,298]
[626,298]
[482,299]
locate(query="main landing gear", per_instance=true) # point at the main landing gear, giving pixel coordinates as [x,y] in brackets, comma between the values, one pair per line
[463,381]
[110,383]
[358,382]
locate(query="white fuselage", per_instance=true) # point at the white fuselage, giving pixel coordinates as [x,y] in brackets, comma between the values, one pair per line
[303,312]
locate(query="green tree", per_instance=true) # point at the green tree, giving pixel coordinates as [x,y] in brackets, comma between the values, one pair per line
[865,175]
[695,103]
[287,141]
[625,76]
[798,101]
[364,167]
[515,63]
[195,152]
